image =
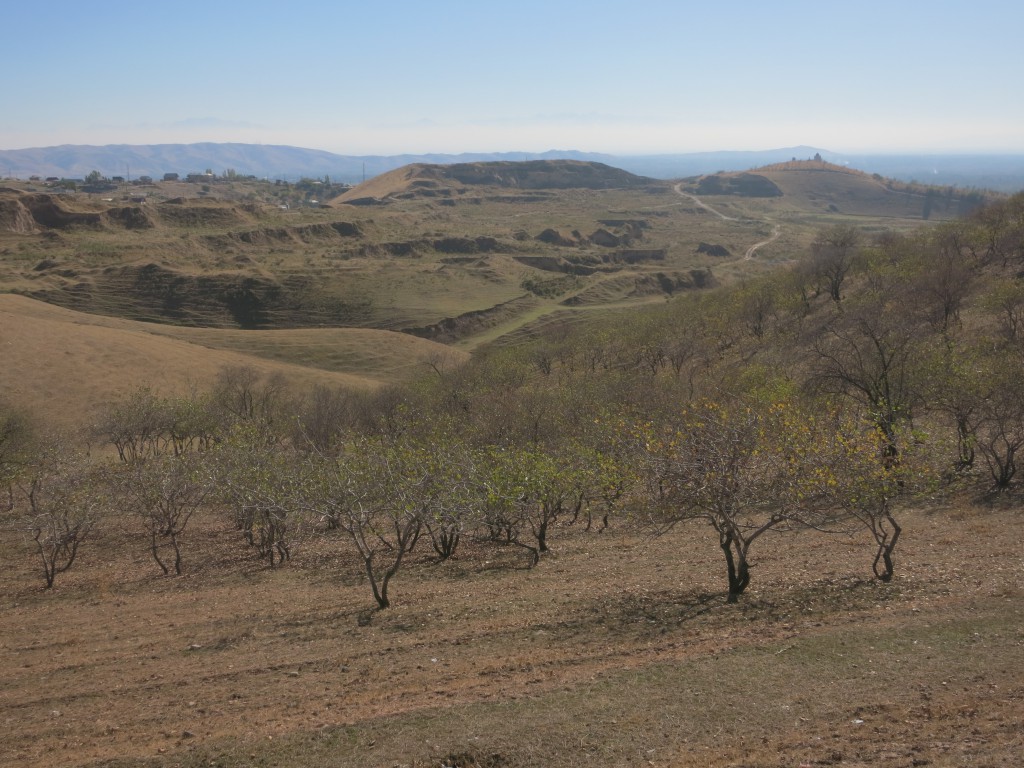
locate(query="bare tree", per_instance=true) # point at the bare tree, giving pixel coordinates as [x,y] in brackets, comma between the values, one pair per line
[741,468]
[377,493]
[954,383]
[16,435]
[143,425]
[243,394]
[832,254]
[1005,300]
[64,503]
[943,282]
[869,356]
[856,471]
[323,418]
[453,505]
[138,426]
[165,492]
[1000,429]
[527,491]
[263,485]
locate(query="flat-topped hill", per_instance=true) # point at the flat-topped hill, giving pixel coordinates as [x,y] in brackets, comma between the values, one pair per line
[429,180]
[818,186]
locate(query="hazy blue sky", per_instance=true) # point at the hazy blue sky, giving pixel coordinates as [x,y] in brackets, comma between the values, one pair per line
[380,77]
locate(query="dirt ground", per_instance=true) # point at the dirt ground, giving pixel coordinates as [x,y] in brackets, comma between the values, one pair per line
[618,649]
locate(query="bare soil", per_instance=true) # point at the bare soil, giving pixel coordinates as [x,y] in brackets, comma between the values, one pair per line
[618,649]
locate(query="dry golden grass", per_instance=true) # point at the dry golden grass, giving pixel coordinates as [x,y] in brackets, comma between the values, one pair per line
[61,364]
[616,650]
[385,185]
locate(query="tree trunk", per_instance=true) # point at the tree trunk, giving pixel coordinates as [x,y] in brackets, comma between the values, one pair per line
[154,549]
[965,445]
[177,555]
[883,565]
[542,536]
[380,593]
[736,563]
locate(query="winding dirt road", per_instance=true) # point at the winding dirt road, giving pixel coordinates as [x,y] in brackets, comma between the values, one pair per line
[776,231]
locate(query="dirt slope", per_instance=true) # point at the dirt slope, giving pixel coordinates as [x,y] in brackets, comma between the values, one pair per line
[617,650]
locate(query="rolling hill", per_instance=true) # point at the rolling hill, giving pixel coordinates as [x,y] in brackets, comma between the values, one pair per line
[167,286]
[818,187]
[449,180]
[62,364]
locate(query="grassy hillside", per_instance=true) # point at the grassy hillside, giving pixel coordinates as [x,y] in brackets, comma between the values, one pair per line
[806,190]
[62,364]
[591,472]
[432,244]
[466,255]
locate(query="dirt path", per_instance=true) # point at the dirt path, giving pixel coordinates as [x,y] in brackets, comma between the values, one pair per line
[749,254]
[753,249]
[701,204]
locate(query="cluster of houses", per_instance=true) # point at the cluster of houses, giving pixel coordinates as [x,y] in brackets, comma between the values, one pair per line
[192,177]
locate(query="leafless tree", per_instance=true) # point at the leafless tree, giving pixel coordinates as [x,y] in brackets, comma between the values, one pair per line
[869,355]
[16,434]
[138,426]
[65,503]
[164,492]
[323,418]
[832,254]
[374,493]
[262,484]
[242,394]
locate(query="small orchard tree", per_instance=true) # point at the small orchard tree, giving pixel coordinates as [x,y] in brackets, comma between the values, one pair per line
[165,492]
[323,418]
[191,424]
[525,491]
[16,437]
[832,254]
[1000,429]
[741,467]
[452,505]
[378,492]
[263,485]
[242,394]
[1005,300]
[980,388]
[865,481]
[138,425]
[143,425]
[869,355]
[953,381]
[65,502]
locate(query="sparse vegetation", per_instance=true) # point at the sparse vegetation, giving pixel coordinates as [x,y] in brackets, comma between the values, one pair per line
[812,424]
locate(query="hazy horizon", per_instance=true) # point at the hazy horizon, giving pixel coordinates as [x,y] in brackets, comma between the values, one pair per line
[458,77]
[530,155]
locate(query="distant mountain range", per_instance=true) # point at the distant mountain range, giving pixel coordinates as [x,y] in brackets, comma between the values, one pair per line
[1000,172]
